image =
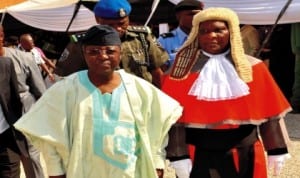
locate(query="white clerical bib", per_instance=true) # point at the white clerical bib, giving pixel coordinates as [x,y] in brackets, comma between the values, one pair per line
[218,80]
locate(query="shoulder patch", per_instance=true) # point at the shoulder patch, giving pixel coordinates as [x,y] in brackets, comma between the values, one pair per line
[167,35]
[77,37]
[139,29]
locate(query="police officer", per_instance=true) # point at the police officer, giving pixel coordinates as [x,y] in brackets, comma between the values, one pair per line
[177,150]
[141,55]
[172,41]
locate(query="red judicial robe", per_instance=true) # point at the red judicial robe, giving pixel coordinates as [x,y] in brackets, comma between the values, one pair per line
[264,101]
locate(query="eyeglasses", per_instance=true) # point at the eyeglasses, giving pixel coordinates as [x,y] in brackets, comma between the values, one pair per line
[110,51]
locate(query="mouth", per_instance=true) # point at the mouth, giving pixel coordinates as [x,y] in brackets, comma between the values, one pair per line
[105,64]
[213,45]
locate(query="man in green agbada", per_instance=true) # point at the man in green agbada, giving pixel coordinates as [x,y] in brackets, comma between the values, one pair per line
[102,122]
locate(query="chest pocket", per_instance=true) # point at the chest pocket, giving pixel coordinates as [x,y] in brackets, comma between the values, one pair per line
[134,58]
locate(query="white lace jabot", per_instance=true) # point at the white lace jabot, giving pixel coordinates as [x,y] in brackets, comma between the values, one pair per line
[218,80]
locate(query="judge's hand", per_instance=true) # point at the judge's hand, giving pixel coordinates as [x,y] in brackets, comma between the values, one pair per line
[276,162]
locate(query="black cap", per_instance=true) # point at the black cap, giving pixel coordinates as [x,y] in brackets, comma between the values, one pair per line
[101,35]
[189,5]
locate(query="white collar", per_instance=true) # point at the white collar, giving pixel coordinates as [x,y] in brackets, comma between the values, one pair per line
[218,80]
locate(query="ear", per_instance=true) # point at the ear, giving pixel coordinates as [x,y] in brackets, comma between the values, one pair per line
[97,19]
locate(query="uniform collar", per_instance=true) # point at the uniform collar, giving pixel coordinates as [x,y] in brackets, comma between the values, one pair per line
[181,34]
[129,34]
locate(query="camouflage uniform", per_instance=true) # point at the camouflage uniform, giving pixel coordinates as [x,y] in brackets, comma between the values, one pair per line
[136,58]
[140,60]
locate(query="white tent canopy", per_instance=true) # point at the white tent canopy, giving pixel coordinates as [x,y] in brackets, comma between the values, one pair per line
[55,15]
[57,19]
[258,12]
[52,15]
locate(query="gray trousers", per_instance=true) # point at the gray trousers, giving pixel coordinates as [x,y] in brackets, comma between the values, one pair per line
[295,42]
[295,99]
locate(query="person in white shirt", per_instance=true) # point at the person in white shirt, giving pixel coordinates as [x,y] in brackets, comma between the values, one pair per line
[27,44]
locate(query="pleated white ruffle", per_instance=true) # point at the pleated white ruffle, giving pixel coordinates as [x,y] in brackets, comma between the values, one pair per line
[218,80]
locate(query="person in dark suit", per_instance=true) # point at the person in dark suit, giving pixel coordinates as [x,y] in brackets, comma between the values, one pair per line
[30,87]
[12,142]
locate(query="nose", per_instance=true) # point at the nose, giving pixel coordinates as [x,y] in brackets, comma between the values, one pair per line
[212,34]
[102,54]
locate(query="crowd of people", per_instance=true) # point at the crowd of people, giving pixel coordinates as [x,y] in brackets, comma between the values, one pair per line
[122,102]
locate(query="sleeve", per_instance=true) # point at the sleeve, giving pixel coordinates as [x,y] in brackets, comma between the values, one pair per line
[17,104]
[54,162]
[71,60]
[157,54]
[41,52]
[47,126]
[34,78]
[162,119]
[274,136]
[154,113]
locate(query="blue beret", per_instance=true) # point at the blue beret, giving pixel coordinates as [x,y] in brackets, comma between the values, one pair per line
[112,9]
[102,35]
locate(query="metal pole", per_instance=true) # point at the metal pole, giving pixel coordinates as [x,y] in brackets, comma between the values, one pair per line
[264,43]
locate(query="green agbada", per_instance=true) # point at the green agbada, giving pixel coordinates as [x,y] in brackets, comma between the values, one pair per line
[86,134]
